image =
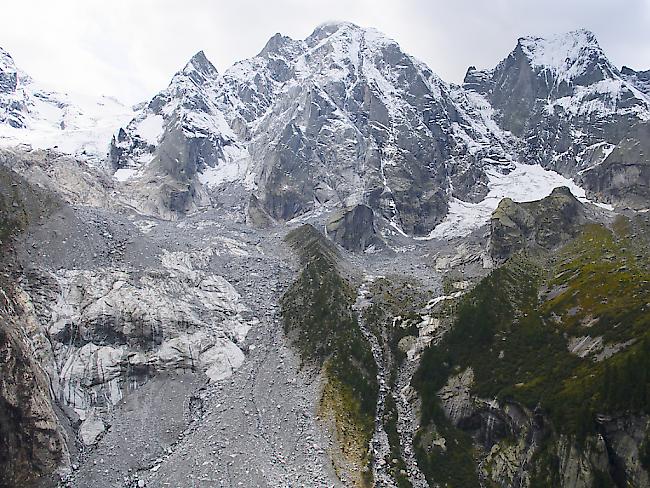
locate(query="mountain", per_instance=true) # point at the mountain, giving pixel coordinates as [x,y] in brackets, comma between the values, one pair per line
[341,118]
[74,124]
[345,118]
[325,266]
[570,108]
[535,383]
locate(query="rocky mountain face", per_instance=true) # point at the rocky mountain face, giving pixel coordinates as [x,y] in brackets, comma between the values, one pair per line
[8,84]
[342,118]
[34,433]
[568,105]
[640,79]
[325,266]
[624,176]
[354,228]
[506,399]
[179,134]
[93,311]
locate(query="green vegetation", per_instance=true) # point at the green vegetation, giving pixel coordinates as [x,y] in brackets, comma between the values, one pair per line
[645,451]
[546,463]
[454,465]
[513,330]
[319,320]
[605,284]
[394,314]
[354,427]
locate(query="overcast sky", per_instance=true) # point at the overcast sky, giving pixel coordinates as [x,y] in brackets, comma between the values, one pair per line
[131,48]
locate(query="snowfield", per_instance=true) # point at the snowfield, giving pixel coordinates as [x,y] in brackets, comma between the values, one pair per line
[525,183]
[74,124]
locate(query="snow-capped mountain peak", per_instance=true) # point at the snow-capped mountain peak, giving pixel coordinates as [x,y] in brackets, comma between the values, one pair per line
[199,69]
[346,117]
[280,45]
[574,56]
[567,75]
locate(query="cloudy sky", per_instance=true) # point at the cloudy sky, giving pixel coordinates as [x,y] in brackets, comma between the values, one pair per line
[130,48]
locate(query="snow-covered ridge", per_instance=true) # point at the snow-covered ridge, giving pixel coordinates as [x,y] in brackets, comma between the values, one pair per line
[8,71]
[232,108]
[341,117]
[75,124]
[188,107]
[566,55]
[352,89]
[576,60]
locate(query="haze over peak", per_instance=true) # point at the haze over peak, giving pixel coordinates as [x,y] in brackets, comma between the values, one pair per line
[129,50]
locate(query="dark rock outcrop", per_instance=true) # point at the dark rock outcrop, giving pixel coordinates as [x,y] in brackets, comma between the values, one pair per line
[353,228]
[33,441]
[12,105]
[256,214]
[640,79]
[545,223]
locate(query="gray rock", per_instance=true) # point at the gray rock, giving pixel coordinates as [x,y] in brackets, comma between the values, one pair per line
[640,79]
[623,178]
[546,223]
[353,228]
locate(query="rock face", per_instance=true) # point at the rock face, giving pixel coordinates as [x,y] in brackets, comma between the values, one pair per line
[180,133]
[565,101]
[510,436]
[546,223]
[346,117]
[624,176]
[640,79]
[10,105]
[353,228]
[76,338]
[626,442]
[341,118]
[33,440]
[111,330]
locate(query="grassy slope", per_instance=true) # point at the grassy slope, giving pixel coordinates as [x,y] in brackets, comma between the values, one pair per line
[319,320]
[602,278]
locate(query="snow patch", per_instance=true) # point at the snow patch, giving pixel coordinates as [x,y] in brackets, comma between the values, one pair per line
[525,183]
[233,167]
[71,123]
[124,174]
[566,55]
[151,128]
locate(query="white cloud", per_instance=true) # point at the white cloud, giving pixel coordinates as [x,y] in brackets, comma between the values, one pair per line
[131,48]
